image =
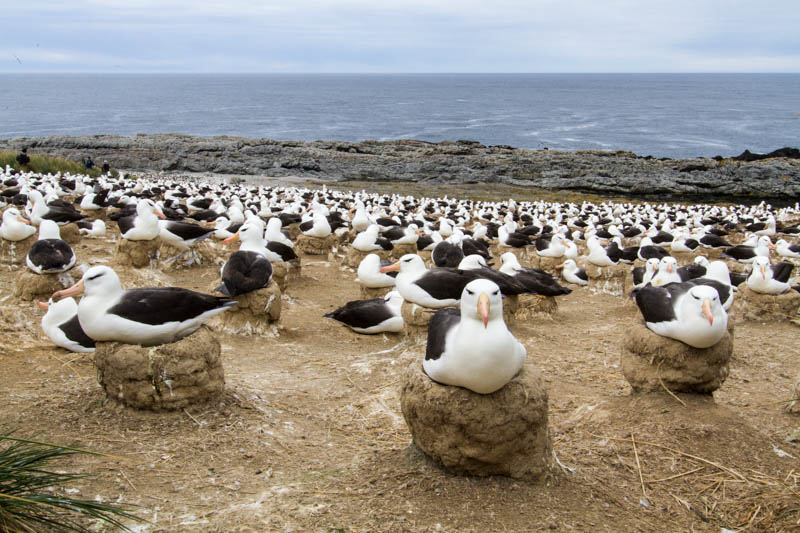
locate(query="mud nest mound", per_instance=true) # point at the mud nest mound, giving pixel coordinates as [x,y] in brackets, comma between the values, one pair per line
[607,279]
[526,306]
[503,433]
[165,377]
[71,234]
[314,245]
[751,305]
[416,319]
[545,263]
[354,257]
[368,293]
[137,254]
[652,363]
[256,313]
[30,286]
[14,252]
[283,271]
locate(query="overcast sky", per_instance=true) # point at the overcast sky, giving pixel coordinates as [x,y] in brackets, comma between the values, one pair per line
[400,36]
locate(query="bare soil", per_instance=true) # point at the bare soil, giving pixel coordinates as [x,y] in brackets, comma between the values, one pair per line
[309,436]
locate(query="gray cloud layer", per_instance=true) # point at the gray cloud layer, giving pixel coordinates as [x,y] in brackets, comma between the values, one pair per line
[401,36]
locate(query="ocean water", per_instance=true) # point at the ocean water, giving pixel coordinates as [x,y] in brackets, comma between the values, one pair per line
[664,115]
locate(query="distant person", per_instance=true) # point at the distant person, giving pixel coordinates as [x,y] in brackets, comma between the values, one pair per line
[89,163]
[23,158]
[106,167]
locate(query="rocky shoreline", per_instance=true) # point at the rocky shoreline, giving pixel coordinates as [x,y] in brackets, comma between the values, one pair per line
[747,178]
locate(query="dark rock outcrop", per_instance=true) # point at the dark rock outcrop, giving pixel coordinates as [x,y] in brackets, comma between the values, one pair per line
[775,178]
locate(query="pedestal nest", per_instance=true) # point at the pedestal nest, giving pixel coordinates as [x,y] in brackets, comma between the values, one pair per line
[354,257]
[750,305]
[70,233]
[314,245]
[165,377]
[283,271]
[416,319]
[256,312]
[205,253]
[137,254]
[13,253]
[527,306]
[545,263]
[608,279]
[648,360]
[523,255]
[368,293]
[400,250]
[503,433]
[30,286]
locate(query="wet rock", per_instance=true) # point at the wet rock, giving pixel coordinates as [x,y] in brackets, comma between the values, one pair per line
[503,433]
[648,360]
[618,172]
[164,377]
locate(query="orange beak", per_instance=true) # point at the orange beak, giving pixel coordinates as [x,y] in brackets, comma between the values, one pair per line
[772,246]
[669,268]
[559,267]
[23,220]
[764,272]
[44,306]
[394,267]
[72,291]
[707,311]
[232,238]
[483,308]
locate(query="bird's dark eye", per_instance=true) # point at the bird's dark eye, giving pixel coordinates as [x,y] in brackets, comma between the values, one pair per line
[496,292]
[408,260]
[469,292]
[94,277]
[695,297]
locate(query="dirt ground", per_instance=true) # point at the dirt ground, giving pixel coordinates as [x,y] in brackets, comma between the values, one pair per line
[309,435]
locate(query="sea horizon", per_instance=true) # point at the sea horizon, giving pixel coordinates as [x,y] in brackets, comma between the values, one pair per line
[677,115]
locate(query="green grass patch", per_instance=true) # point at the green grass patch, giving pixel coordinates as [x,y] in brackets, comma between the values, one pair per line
[46,164]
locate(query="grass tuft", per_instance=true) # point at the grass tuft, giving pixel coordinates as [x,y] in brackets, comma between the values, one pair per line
[29,491]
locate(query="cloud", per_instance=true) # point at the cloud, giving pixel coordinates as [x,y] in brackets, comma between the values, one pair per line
[403,36]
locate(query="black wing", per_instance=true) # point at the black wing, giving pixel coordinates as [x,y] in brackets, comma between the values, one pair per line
[691,271]
[74,332]
[655,303]
[166,304]
[286,252]
[362,313]
[446,283]
[782,271]
[188,231]
[441,322]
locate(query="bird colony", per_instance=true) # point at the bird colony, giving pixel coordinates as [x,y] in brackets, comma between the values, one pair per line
[455,275]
